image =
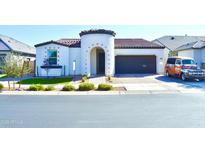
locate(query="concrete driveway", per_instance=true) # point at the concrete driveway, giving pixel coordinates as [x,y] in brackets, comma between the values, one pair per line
[157,82]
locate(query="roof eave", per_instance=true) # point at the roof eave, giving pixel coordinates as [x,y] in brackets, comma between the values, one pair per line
[97,31]
[163,45]
[6,44]
[139,47]
[50,42]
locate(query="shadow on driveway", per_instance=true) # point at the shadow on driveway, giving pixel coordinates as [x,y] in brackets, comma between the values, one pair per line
[184,84]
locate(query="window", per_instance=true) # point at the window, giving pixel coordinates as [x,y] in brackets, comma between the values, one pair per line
[52,57]
[178,62]
[188,61]
[171,60]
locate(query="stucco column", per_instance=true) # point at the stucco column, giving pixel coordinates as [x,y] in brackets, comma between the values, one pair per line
[94,39]
[110,58]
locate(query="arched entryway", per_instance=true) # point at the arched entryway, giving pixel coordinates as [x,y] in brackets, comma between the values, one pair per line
[97,61]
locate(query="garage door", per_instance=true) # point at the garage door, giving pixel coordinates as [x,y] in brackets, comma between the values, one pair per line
[135,64]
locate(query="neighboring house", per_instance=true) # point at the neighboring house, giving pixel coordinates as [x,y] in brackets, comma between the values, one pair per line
[8,45]
[195,50]
[187,46]
[98,52]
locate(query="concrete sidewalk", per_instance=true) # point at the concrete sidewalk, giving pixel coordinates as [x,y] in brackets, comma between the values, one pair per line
[128,87]
[195,91]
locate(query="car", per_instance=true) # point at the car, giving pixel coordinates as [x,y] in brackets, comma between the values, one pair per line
[184,68]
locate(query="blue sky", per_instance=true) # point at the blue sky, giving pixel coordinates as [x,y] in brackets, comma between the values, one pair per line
[32,35]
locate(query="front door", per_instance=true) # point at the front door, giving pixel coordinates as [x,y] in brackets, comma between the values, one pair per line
[101,63]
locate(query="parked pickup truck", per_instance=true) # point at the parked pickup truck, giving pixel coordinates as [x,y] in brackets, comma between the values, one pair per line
[184,68]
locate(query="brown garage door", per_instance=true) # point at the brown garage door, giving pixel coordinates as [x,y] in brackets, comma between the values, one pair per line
[135,64]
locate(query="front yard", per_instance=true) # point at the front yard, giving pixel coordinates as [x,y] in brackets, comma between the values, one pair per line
[146,83]
[56,84]
[46,81]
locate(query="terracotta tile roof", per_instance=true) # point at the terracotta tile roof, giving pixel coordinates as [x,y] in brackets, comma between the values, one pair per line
[70,42]
[135,43]
[50,42]
[97,31]
[119,43]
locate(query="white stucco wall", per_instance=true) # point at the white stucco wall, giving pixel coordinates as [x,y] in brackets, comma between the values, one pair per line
[104,41]
[203,58]
[75,55]
[203,55]
[197,57]
[63,57]
[159,53]
[186,53]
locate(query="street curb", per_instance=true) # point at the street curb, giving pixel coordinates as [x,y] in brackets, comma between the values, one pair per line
[74,93]
[56,93]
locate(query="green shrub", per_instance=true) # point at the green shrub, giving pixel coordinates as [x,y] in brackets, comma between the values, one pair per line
[109,78]
[104,87]
[86,86]
[1,86]
[84,78]
[49,88]
[36,87]
[68,87]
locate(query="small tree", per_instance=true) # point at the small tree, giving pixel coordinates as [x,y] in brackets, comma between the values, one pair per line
[46,63]
[14,66]
[24,70]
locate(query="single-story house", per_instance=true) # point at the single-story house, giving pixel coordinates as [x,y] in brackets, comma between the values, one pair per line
[8,45]
[186,46]
[195,50]
[99,52]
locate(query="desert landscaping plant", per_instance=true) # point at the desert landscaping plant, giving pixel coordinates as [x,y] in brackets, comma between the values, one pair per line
[49,88]
[68,87]
[36,87]
[1,86]
[84,78]
[14,67]
[104,87]
[109,78]
[86,86]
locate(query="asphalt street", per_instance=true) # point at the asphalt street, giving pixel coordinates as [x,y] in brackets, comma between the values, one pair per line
[111,111]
